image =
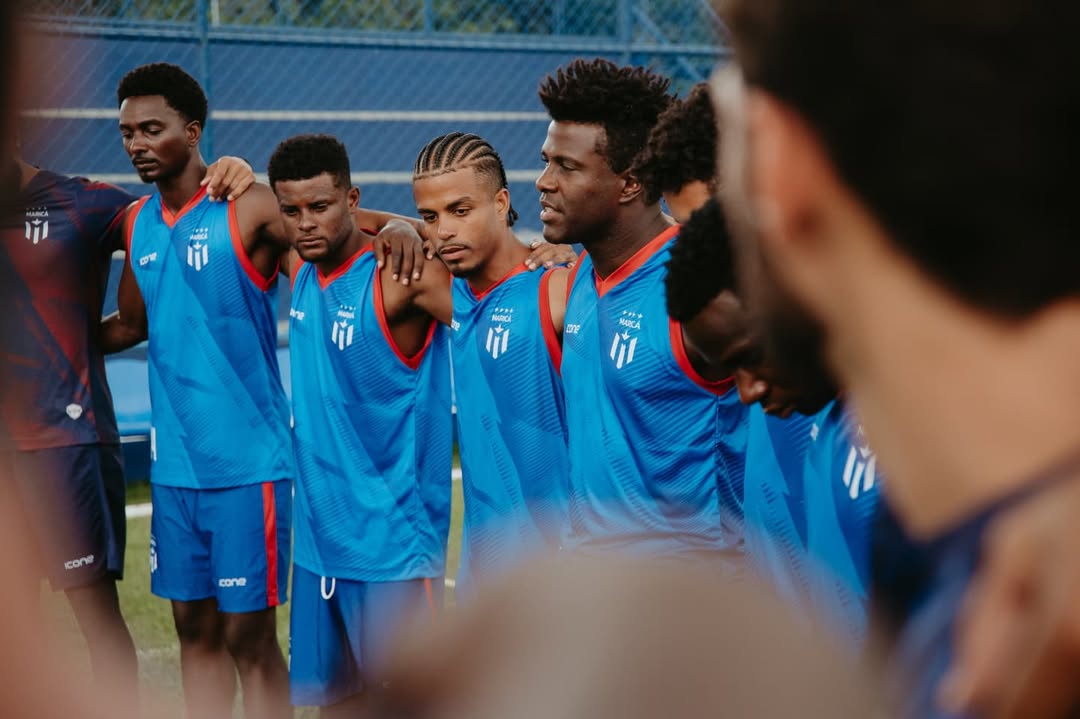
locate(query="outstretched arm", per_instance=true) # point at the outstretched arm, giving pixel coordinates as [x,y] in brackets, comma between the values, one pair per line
[430,295]
[263,231]
[546,254]
[400,243]
[127,326]
[228,178]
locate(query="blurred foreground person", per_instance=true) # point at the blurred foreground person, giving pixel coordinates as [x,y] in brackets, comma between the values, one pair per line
[887,197]
[622,639]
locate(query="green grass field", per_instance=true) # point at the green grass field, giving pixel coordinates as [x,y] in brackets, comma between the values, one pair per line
[150,618]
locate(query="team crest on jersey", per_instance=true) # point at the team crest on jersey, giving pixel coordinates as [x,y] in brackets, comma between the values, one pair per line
[198,250]
[498,336]
[37,224]
[624,343]
[341,334]
[860,470]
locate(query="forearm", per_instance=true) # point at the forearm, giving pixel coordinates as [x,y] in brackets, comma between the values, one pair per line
[118,335]
[375,220]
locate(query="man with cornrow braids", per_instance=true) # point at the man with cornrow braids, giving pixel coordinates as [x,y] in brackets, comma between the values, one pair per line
[372,421]
[656,433]
[506,335]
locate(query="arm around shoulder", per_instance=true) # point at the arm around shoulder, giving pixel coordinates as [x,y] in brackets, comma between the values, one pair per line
[127,326]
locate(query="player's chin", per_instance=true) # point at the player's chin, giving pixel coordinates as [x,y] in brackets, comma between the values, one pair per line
[311,252]
[554,235]
[461,268]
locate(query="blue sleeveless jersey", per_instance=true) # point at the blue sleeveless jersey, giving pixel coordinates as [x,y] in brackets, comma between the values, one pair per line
[773,503]
[372,430]
[218,411]
[511,423]
[841,490]
[656,452]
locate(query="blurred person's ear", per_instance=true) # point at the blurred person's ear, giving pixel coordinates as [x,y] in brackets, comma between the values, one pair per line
[800,204]
[621,639]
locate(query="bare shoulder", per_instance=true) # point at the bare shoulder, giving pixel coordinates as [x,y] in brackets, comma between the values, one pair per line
[258,201]
[258,216]
[558,283]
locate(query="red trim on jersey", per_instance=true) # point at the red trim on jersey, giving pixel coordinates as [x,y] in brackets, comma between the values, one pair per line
[170,219]
[270,533]
[380,314]
[129,222]
[518,269]
[263,283]
[605,285]
[547,324]
[326,280]
[717,387]
[431,599]
[294,271]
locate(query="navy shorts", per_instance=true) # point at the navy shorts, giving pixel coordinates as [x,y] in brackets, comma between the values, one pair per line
[228,544]
[340,630]
[72,500]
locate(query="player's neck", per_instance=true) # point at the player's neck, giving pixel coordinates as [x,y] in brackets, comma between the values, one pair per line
[509,254]
[962,408]
[625,237]
[357,241]
[177,191]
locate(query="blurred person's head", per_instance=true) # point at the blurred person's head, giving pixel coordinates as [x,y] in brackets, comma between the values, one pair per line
[902,174]
[679,160]
[311,178]
[463,198]
[162,115]
[12,79]
[779,371]
[623,639]
[601,115]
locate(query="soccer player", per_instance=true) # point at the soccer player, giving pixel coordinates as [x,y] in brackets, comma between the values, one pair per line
[679,159]
[810,493]
[372,432]
[506,334]
[200,280]
[59,444]
[654,431]
[887,195]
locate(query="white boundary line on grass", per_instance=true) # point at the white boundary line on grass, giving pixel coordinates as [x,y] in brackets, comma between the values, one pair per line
[137,511]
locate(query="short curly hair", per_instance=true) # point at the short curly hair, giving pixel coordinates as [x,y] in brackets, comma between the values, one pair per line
[305,156]
[701,264]
[625,100]
[681,147]
[181,91]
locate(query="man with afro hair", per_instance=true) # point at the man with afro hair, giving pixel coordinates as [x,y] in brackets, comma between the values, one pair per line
[654,430]
[679,161]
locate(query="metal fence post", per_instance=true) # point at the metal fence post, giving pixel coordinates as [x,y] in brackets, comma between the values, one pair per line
[625,29]
[202,18]
[429,16]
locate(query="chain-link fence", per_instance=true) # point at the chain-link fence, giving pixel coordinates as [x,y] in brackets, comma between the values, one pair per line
[385,76]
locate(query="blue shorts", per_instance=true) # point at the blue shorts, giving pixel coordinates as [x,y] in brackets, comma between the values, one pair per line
[340,629]
[228,544]
[72,500]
